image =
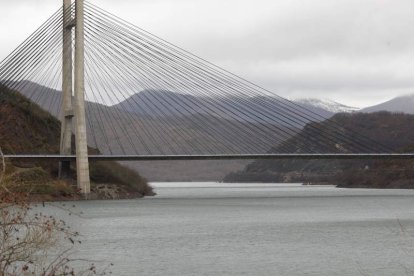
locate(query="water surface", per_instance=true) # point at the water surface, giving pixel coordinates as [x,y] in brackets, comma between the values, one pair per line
[251,229]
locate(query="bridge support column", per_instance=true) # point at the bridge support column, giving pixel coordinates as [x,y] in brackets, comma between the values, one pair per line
[82,163]
[67,108]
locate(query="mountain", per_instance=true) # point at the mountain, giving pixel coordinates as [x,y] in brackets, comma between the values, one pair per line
[325,105]
[155,128]
[396,131]
[148,110]
[111,135]
[262,109]
[25,128]
[403,104]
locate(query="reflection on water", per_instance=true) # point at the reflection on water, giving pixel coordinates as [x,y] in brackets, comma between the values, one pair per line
[251,229]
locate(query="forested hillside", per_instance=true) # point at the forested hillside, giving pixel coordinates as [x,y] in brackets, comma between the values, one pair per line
[392,130]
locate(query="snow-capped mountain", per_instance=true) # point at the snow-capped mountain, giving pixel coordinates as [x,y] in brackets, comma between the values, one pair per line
[326,104]
[260,108]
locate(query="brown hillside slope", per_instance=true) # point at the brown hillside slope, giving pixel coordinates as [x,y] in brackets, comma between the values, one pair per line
[25,128]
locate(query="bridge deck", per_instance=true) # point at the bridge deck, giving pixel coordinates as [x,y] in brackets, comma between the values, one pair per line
[220,156]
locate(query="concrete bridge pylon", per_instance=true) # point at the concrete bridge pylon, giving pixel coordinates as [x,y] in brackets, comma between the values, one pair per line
[73,116]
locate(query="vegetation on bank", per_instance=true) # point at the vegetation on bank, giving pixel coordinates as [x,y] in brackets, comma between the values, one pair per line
[32,242]
[25,128]
[395,130]
[396,174]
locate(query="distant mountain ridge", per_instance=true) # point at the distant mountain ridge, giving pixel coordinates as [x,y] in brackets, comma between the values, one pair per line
[151,102]
[404,104]
[266,109]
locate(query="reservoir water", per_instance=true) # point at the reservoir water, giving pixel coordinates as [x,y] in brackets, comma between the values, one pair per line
[250,229]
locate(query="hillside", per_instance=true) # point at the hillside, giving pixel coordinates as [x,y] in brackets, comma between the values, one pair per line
[147,112]
[110,134]
[26,128]
[394,130]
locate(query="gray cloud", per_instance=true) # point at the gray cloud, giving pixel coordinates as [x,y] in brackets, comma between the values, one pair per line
[359,52]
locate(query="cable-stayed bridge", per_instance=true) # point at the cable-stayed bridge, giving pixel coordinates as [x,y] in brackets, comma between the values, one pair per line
[134,96]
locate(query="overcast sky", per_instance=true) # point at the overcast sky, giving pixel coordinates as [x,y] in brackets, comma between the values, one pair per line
[358,52]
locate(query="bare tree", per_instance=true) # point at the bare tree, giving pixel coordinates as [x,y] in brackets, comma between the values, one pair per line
[29,240]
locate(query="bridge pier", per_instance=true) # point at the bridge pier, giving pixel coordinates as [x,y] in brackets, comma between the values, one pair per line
[75,108]
[67,108]
[82,162]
